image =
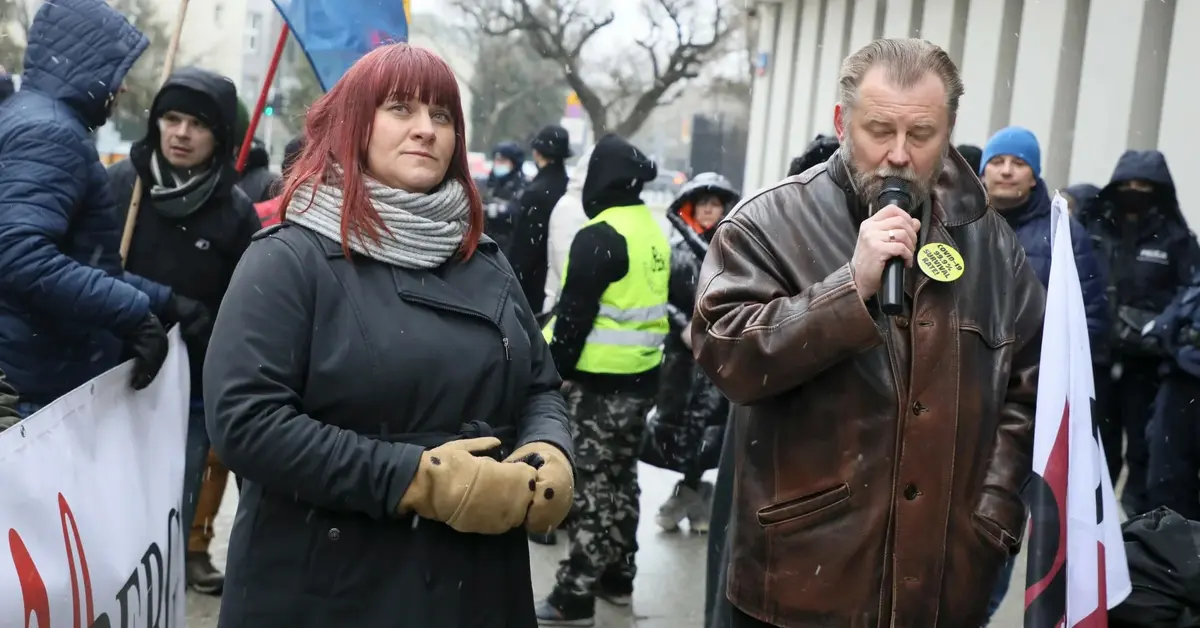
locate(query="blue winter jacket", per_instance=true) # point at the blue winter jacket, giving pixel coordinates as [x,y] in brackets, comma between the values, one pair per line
[64,300]
[1032,225]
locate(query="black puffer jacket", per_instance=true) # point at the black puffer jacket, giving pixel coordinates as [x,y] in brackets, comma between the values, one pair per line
[685,430]
[257,180]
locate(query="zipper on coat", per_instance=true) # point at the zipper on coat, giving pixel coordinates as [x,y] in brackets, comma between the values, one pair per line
[507,352]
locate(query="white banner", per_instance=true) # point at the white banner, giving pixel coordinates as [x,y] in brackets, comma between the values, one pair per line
[90,505]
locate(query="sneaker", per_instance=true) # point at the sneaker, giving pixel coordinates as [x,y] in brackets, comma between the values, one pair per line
[549,538]
[566,610]
[202,576]
[615,589]
[700,510]
[675,509]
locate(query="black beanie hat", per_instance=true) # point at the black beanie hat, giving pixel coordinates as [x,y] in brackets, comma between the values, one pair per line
[189,102]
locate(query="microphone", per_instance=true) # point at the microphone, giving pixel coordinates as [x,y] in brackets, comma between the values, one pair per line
[895,192]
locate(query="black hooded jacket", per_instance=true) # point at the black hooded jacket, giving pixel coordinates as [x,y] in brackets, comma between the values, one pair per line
[616,173]
[194,255]
[1149,259]
[257,180]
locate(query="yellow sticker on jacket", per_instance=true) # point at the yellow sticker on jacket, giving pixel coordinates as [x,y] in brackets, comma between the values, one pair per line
[940,261]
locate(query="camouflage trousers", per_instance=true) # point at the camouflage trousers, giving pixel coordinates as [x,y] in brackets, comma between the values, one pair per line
[608,430]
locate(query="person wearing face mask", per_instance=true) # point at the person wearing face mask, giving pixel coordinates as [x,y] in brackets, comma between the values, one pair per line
[1148,254]
[505,187]
[684,432]
[193,224]
[529,251]
[606,337]
[377,378]
[1011,171]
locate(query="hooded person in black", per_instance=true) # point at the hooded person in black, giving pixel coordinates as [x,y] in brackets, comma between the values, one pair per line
[606,339]
[1142,239]
[528,253]
[685,431]
[193,224]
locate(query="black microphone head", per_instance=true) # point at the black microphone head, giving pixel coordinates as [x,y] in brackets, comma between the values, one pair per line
[896,191]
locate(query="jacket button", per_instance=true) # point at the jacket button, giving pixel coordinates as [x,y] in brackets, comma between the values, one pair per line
[910,492]
[919,408]
[334,534]
[902,322]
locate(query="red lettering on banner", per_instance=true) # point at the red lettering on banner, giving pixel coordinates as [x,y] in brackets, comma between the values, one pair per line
[33,588]
[64,512]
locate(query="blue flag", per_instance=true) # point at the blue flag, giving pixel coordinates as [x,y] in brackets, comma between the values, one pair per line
[335,34]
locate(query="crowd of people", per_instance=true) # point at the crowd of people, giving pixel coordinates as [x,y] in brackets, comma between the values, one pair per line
[412,374]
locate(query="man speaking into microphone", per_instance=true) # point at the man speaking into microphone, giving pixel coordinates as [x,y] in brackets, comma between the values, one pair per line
[879,457]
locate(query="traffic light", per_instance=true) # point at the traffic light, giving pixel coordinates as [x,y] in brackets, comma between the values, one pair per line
[274,104]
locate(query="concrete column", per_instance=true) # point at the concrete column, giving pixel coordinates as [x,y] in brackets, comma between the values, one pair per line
[785,73]
[1046,83]
[903,18]
[989,62]
[945,24]
[768,24]
[1121,85]
[1177,135]
[834,48]
[867,22]
[800,131]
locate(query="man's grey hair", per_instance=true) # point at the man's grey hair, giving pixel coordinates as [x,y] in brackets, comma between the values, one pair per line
[906,62]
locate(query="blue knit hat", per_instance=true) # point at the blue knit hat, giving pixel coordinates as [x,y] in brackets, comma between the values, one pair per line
[1016,141]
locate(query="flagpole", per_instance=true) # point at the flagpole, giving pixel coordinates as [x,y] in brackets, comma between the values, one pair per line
[168,65]
[244,153]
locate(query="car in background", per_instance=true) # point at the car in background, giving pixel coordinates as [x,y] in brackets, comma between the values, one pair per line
[662,191]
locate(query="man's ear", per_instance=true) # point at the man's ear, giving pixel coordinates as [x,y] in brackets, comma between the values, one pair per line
[839,121]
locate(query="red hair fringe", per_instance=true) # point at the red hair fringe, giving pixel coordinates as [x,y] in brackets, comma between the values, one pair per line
[337,130]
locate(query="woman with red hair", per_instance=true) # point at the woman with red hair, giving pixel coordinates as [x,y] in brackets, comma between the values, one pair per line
[377,378]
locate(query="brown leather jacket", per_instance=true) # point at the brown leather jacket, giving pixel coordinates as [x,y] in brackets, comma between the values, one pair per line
[879,459]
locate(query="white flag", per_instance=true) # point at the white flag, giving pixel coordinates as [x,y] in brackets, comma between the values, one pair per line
[1076,569]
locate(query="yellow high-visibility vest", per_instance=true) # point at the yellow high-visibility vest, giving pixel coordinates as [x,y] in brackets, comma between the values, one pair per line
[628,333]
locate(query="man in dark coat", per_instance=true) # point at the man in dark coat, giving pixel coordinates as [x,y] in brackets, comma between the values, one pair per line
[1173,435]
[193,225]
[528,251]
[1011,170]
[1148,254]
[502,195]
[66,307]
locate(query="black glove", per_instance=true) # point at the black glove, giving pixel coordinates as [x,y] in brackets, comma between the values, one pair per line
[147,346]
[194,319]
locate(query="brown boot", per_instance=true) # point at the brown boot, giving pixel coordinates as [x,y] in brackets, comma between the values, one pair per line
[201,574]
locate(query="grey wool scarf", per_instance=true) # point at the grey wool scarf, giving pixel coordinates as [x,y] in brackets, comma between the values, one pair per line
[422,230]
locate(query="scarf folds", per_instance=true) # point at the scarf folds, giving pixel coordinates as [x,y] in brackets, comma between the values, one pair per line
[175,197]
[421,231]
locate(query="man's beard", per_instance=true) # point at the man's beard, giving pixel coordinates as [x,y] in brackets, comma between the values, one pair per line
[868,185]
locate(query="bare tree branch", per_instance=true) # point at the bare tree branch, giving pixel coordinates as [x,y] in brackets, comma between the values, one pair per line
[560,29]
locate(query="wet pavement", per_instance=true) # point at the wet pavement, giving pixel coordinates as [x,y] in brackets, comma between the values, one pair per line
[668,592]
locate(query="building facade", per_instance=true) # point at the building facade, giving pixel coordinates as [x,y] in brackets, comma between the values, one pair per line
[1091,78]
